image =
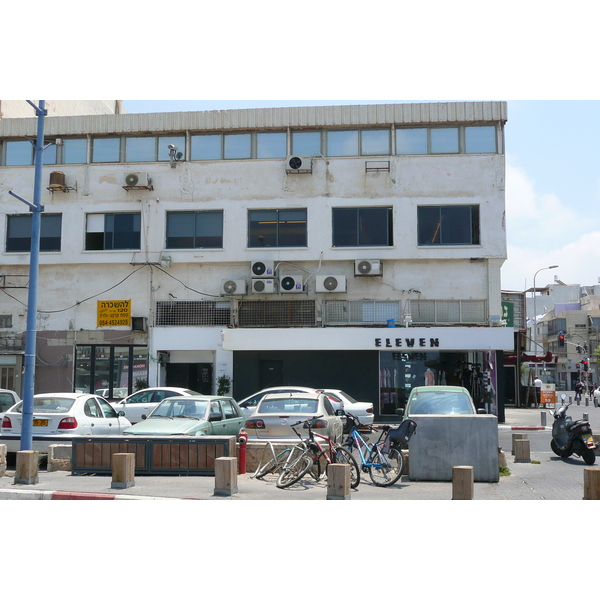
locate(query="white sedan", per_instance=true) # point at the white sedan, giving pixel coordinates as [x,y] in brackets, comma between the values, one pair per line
[8,398]
[59,417]
[140,404]
[363,411]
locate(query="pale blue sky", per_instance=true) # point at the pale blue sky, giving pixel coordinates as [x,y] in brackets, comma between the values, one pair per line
[552,183]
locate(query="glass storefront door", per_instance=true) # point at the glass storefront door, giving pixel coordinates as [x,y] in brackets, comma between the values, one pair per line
[120,370]
[400,372]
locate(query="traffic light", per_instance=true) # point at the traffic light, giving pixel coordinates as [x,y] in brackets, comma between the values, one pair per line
[561,340]
[586,366]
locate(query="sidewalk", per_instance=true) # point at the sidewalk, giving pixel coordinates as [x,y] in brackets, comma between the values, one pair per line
[552,478]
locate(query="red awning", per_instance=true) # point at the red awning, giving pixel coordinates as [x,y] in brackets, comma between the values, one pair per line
[525,358]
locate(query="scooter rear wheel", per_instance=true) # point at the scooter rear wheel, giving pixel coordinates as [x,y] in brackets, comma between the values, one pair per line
[589,456]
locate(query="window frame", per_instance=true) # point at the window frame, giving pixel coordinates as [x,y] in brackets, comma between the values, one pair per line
[389,226]
[424,232]
[277,222]
[197,214]
[111,233]
[44,239]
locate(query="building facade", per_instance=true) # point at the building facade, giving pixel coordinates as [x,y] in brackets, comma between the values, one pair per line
[350,247]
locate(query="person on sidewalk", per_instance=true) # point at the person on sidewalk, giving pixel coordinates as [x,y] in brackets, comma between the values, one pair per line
[538,390]
[578,390]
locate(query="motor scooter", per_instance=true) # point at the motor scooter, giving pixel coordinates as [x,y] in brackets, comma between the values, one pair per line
[572,437]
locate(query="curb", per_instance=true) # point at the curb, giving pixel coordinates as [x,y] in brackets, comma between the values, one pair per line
[523,428]
[52,495]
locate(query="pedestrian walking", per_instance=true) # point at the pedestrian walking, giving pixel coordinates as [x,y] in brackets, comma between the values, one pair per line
[578,390]
[538,390]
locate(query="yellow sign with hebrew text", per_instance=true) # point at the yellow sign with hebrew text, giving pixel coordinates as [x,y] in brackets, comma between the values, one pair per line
[114,313]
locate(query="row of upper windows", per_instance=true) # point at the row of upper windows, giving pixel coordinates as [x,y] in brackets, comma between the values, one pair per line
[266,228]
[476,139]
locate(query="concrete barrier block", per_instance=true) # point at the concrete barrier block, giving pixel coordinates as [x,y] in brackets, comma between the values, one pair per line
[59,457]
[445,441]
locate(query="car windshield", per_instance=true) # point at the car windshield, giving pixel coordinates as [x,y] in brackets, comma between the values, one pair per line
[347,397]
[180,407]
[49,405]
[289,405]
[440,403]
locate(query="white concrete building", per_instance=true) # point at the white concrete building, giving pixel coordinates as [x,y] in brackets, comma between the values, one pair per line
[352,247]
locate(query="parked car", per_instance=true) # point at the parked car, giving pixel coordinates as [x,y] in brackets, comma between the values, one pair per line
[60,416]
[276,413]
[191,415]
[8,398]
[145,401]
[362,410]
[120,392]
[439,400]
[597,396]
[249,404]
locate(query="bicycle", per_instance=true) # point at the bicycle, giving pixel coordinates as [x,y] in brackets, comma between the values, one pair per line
[275,464]
[383,460]
[308,455]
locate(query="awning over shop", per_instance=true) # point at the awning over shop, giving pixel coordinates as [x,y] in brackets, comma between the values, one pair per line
[525,358]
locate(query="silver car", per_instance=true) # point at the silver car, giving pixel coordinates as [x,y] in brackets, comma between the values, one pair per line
[276,413]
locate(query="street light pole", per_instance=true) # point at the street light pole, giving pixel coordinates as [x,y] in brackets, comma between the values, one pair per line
[535,314]
[30,340]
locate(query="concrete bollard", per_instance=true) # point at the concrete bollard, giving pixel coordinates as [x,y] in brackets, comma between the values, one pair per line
[27,468]
[463,483]
[522,452]
[587,400]
[123,470]
[515,437]
[586,417]
[591,484]
[543,418]
[2,459]
[226,472]
[338,482]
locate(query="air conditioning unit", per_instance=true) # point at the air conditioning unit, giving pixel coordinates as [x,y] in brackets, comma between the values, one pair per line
[367,268]
[139,323]
[330,283]
[140,180]
[298,164]
[263,286]
[263,268]
[233,287]
[291,285]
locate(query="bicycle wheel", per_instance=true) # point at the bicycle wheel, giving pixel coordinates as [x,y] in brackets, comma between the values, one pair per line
[273,465]
[315,468]
[342,456]
[385,468]
[295,471]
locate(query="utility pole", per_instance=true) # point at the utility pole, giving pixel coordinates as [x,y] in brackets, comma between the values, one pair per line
[30,341]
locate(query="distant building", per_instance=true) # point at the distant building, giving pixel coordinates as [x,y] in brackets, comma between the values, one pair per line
[14,109]
[573,311]
[351,247]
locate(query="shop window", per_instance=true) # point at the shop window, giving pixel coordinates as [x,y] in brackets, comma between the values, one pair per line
[362,226]
[113,231]
[277,228]
[448,225]
[202,229]
[18,236]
